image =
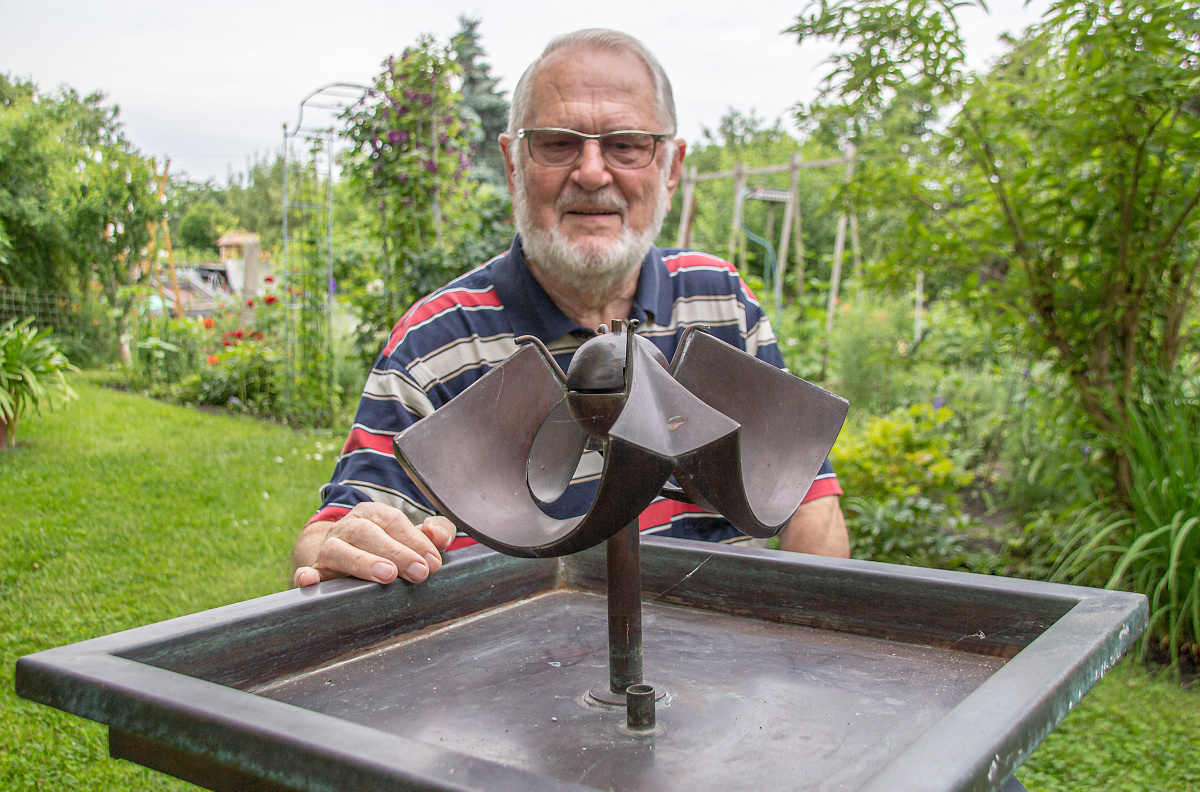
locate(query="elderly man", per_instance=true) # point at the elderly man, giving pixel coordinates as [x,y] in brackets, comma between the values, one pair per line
[592,165]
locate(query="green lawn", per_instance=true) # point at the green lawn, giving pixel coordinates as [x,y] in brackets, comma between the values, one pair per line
[120,511]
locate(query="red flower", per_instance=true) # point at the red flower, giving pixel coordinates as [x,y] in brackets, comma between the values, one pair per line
[269,279]
[270,299]
[238,333]
[208,323]
[249,303]
[228,342]
[213,360]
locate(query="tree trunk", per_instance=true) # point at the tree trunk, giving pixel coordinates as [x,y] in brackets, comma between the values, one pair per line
[8,432]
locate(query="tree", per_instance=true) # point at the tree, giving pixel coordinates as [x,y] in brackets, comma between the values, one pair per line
[1065,181]
[75,197]
[202,226]
[36,182]
[481,97]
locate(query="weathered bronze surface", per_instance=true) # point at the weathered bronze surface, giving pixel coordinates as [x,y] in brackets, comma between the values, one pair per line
[861,676]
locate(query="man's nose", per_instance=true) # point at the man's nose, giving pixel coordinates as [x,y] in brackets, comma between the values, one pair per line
[592,172]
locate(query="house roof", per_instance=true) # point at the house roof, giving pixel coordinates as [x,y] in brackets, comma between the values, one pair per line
[237,238]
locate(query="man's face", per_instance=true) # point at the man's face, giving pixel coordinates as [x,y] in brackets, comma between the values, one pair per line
[590,212]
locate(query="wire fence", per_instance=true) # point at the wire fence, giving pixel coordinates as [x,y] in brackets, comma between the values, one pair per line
[83,329]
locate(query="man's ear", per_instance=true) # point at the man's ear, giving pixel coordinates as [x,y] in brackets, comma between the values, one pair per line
[506,142]
[676,167]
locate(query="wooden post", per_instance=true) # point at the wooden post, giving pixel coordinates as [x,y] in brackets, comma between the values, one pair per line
[856,250]
[152,228]
[688,208]
[789,209]
[919,313]
[250,280]
[735,232]
[835,277]
[797,215]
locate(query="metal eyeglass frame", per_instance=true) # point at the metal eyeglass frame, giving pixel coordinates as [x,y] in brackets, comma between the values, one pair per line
[658,137]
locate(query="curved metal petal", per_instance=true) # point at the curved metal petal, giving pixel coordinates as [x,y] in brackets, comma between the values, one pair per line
[661,416]
[758,477]
[557,448]
[470,459]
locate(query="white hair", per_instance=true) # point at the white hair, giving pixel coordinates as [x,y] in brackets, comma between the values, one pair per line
[603,39]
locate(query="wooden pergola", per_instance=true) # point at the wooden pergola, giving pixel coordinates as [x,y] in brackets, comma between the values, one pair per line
[792,220]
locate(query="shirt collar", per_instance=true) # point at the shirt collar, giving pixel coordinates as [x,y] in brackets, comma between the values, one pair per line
[531,311]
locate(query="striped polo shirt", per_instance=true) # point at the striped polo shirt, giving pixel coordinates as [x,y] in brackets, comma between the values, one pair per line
[451,338]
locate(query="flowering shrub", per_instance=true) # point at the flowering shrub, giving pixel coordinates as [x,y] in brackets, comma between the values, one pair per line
[246,376]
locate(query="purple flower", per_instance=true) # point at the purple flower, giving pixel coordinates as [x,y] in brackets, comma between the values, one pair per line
[381,206]
[397,137]
[1025,373]
[402,177]
[938,403]
[431,166]
[410,94]
[426,99]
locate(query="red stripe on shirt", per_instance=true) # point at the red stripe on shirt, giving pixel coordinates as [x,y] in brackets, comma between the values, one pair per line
[687,261]
[361,438]
[822,488]
[328,514]
[660,513]
[432,307]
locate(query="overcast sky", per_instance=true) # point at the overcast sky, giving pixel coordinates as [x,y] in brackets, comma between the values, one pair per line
[210,84]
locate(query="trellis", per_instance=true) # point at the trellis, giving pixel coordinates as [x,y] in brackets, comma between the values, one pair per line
[791,233]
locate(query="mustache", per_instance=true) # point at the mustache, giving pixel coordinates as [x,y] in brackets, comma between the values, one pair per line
[607,198]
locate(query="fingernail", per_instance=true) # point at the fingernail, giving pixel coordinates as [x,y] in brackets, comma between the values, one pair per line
[416,572]
[434,563]
[383,572]
[447,534]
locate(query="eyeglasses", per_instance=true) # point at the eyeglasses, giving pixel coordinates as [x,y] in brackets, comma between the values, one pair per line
[627,149]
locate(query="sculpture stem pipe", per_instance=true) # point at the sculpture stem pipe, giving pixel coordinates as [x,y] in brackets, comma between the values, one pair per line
[624,609]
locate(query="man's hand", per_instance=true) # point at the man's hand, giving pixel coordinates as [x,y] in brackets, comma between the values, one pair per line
[817,527]
[373,542]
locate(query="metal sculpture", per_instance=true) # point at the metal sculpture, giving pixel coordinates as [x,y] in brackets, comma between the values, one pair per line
[741,438]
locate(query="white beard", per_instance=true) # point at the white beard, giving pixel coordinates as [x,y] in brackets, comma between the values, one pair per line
[595,268]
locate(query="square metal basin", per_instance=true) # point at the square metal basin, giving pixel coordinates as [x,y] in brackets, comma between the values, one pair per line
[780,671]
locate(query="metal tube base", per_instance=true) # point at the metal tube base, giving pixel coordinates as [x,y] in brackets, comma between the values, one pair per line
[624,609]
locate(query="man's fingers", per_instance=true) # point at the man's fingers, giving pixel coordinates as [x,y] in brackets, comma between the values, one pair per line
[348,559]
[439,530]
[359,547]
[397,526]
[305,576]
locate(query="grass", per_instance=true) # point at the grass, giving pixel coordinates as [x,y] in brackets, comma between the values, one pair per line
[120,511]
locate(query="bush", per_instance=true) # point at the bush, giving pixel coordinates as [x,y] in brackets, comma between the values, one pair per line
[915,531]
[1155,549]
[246,376]
[31,374]
[906,453]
